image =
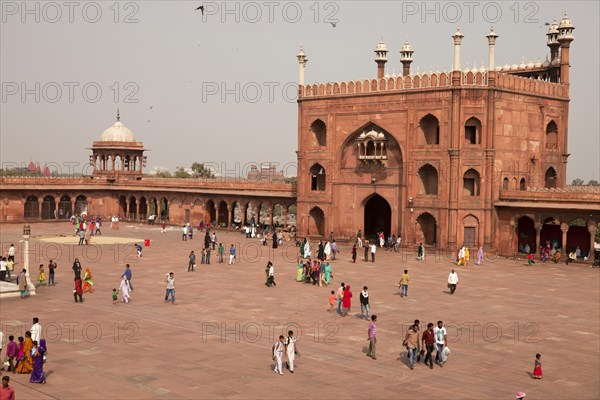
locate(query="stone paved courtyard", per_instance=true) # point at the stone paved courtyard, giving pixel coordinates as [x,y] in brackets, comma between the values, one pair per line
[216,342]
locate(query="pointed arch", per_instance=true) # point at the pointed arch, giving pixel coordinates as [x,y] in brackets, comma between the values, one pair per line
[473,131]
[319,130]
[550,178]
[31,207]
[317,177]
[429,126]
[426,229]
[471,183]
[316,222]
[552,135]
[429,180]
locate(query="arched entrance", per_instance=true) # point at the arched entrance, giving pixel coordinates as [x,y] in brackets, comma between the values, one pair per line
[426,230]
[526,235]
[32,208]
[378,217]
[153,207]
[578,236]
[81,204]
[550,178]
[122,206]
[551,233]
[222,218]
[65,209]
[471,231]
[143,209]
[316,222]
[48,208]
[164,209]
[211,213]
[133,211]
[237,214]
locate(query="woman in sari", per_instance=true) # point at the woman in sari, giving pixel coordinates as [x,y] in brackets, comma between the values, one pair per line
[22,282]
[480,255]
[307,249]
[19,353]
[87,281]
[299,270]
[37,376]
[124,289]
[327,273]
[25,363]
[327,251]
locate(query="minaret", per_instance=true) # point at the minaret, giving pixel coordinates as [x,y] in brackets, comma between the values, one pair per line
[118,115]
[302,60]
[406,57]
[381,58]
[565,37]
[458,37]
[492,43]
[553,40]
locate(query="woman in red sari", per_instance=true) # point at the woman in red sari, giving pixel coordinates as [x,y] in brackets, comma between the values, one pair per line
[537,370]
[26,362]
[346,301]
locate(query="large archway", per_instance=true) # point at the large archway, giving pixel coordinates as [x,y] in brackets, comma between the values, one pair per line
[65,209]
[223,214]
[143,209]
[122,206]
[551,233]
[550,178]
[526,234]
[32,207]
[164,209]
[81,205]
[316,222]
[133,208]
[49,208]
[578,236]
[377,217]
[426,230]
[211,213]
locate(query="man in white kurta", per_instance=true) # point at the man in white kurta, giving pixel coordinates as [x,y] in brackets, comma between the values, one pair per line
[291,350]
[278,349]
[307,250]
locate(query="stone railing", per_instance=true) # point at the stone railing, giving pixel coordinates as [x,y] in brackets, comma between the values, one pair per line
[432,80]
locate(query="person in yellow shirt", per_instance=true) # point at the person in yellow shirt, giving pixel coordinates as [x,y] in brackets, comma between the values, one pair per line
[403,284]
[467,256]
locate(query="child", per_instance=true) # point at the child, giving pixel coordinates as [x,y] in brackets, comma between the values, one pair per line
[331,300]
[42,276]
[530,259]
[537,370]
[115,297]
[139,250]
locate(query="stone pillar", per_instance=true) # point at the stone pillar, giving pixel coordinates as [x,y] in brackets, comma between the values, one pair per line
[592,228]
[564,228]
[538,231]
[284,211]
[229,219]
[127,208]
[271,214]
[453,203]
[490,180]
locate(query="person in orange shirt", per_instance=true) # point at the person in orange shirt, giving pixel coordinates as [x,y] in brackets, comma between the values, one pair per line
[87,281]
[331,300]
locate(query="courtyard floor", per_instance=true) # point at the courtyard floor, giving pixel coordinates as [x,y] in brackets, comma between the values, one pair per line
[216,342]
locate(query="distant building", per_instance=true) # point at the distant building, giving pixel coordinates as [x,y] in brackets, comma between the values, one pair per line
[266,173]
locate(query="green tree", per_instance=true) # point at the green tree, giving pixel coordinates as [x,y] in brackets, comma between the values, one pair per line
[577,182]
[180,172]
[593,182]
[200,171]
[163,174]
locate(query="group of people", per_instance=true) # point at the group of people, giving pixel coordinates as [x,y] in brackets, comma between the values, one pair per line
[464,256]
[27,355]
[325,251]
[315,271]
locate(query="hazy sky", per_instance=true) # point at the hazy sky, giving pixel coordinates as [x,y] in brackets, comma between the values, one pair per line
[217,84]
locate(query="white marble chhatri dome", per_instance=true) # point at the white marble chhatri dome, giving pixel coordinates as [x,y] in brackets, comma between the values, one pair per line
[117,133]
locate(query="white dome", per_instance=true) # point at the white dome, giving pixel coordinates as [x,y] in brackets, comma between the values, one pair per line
[117,133]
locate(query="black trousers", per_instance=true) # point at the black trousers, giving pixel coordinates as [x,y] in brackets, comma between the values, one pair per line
[429,357]
[75,295]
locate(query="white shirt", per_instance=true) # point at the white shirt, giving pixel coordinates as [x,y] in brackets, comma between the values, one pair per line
[453,278]
[3,265]
[271,270]
[439,334]
[373,248]
[291,344]
[170,283]
[36,332]
[1,339]
[11,251]
[278,350]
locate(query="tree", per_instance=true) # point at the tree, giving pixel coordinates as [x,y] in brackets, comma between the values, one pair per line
[200,171]
[163,174]
[593,182]
[180,172]
[577,182]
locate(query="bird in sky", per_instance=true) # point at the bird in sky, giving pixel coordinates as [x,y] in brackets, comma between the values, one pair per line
[151,107]
[334,24]
[201,8]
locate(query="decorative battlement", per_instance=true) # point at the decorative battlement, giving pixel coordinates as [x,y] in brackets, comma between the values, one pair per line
[435,80]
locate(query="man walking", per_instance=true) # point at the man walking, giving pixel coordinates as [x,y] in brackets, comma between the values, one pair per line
[411,342]
[213,240]
[232,254]
[184,232]
[291,350]
[77,268]
[334,250]
[428,340]
[51,267]
[359,238]
[440,340]
[364,303]
[127,274]
[36,330]
[278,349]
[11,253]
[452,281]
[170,288]
[403,284]
[373,250]
[340,297]
[372,338]
[221,251]
[192,262]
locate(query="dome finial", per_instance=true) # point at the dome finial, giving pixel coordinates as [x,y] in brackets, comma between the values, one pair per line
[118,115]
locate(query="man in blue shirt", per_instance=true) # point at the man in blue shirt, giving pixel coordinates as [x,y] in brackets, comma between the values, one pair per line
[127,275]
[232,255]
